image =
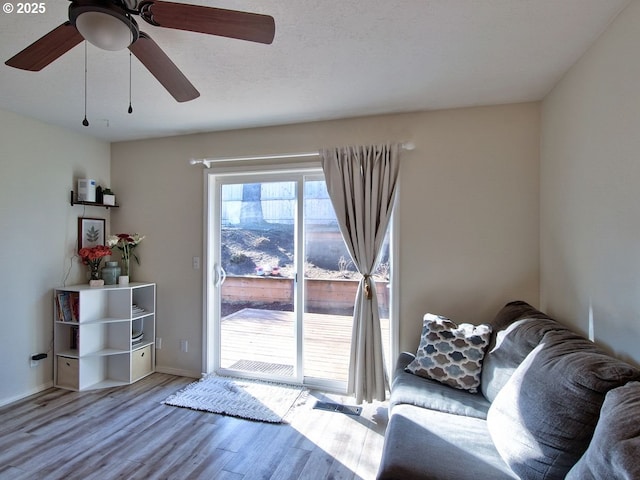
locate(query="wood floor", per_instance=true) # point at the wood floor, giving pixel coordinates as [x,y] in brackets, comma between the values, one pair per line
[268,336]
[127,433]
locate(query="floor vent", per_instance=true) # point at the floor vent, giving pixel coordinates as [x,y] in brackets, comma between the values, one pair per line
[338,407]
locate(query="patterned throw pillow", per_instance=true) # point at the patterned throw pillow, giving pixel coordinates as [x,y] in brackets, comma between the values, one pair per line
[450,353]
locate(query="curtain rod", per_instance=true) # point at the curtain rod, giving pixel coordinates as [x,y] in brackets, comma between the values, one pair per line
[207,162]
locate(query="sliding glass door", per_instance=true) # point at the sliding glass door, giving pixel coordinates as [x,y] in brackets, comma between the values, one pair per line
[330,285]
[257,271]
[280,282]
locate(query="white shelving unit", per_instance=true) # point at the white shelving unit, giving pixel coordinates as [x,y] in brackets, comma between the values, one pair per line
[103,336]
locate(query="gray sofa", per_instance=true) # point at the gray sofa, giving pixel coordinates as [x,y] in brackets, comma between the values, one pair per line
[551,405]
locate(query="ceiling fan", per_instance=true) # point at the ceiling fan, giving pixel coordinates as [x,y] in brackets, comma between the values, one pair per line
[109,25]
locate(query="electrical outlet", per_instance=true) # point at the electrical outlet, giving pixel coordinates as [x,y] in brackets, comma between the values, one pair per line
[196,263]
[35,358]
[184,346]
[158,343]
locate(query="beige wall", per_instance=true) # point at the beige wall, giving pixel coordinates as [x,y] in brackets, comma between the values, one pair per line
[38,166]
[590,191]
[469,212]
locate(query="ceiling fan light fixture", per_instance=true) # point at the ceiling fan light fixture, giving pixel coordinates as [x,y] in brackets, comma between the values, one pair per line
[108,24]
[103,30]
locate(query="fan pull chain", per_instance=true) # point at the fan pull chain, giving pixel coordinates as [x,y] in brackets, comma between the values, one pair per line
[85,122]
[130,107]
[131,37]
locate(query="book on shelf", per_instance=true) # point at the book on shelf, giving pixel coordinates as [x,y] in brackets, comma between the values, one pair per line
[64,307]
[74,340]
[68,306]
[59,312]
[74,301]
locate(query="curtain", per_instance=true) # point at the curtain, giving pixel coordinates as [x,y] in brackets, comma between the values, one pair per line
[362,182]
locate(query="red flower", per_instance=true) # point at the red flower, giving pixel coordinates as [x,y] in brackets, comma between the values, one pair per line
[93,254]
[126,237]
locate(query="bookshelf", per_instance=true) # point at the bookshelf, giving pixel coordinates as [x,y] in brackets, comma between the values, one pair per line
[103,336]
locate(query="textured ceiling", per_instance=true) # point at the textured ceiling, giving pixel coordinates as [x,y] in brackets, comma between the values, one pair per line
[330,59]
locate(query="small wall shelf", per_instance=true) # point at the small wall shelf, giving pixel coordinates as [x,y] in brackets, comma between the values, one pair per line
[75,201]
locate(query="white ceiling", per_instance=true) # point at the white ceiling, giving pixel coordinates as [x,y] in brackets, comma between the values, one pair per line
[330,59]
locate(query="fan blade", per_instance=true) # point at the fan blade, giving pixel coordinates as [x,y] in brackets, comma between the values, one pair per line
[253,27]
[47,49]
[161,67]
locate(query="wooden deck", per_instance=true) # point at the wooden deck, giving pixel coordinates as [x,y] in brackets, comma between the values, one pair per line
[265,340]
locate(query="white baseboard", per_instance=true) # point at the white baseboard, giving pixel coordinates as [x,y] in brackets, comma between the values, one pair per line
[33,391]
[178,371]
[49,384]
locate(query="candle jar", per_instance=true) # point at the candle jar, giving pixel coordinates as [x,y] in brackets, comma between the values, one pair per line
[110,273]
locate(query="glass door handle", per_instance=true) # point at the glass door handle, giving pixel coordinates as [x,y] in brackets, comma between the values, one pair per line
[219,276]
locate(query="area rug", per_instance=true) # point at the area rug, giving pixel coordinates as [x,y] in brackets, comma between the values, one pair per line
[249,399]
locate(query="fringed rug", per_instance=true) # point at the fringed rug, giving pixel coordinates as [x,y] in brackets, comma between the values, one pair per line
[250,399]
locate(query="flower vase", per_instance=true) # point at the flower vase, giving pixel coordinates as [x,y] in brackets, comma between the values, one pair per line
[124,278]
[95,280]
[95,271]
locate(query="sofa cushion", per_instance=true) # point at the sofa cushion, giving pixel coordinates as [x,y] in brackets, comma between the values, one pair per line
[544,417]
[517,329]
[450,353]
[615,447]
[422,392]
[422,444]
[512,312]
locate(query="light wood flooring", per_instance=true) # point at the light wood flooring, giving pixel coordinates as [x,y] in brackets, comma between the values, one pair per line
[127,433]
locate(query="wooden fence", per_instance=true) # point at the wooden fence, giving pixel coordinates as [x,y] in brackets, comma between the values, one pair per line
[320,293]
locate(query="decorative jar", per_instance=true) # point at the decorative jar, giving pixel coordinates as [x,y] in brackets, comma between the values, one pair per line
[110,273]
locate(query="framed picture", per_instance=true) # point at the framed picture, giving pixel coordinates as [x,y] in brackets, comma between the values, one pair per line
[90,232]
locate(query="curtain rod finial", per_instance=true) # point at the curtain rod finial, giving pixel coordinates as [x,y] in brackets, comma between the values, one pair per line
[195,161]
